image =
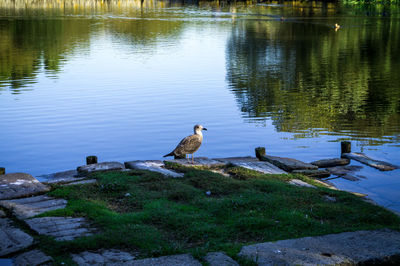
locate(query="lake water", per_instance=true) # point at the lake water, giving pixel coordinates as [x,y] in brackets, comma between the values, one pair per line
[126,80]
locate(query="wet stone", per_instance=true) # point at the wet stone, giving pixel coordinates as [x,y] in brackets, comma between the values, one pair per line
[350,248]
[288,164]
[152,165]
[219,259]
[331,162]
[253,164]
[313,173]
[61,177]
[344,170]
[198,161]
[28,207]
[300,183]
[100,167]
[362,158]
[12,238]
[61,228]
[17,185]
[32,258]
[2,214]
[103,257]
[174,260]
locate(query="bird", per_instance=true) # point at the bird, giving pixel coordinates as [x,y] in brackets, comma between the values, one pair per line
[190,144]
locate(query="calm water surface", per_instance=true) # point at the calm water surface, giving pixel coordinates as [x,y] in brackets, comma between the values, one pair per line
[124,80]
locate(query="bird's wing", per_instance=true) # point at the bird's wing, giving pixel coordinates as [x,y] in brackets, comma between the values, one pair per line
[189,144]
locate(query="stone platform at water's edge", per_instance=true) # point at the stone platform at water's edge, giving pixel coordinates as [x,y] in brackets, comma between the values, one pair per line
[152,165]
[253,164]
[18,185]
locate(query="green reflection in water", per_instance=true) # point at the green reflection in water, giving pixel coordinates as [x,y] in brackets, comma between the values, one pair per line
[297,70]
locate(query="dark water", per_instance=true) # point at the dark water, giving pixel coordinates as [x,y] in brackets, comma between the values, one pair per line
[125,81]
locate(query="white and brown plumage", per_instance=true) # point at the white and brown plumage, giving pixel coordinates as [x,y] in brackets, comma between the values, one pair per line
[190,144]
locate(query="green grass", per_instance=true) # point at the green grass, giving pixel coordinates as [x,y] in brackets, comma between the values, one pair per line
[152,215]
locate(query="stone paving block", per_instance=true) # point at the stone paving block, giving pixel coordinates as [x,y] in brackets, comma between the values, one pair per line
[12,239]
[2,214]
[61,177]
[331,162]
[18,185]
[99,167]
[174,260]
[32,258]
[152,165]
[300,183]
[288,164]
[199,161]
[219,259]
[102,257]
[28,207]
[82,182]
[253,164]
[61,228]
[319,173]
[350,248]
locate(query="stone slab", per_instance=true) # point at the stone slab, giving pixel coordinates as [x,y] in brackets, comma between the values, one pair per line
[362,158]
[331,162]
[319,173]
[344,170]
[300,183]
[12,238]
[18,185]
[100,167]
[174,260]
[32,258]
[152,165]
[253,164]
[219,259]
[82,182]
[103,257]
[288,164]
[198,161]
[28,207]
[61,228]
[61,177]
[2,214]
[348,248]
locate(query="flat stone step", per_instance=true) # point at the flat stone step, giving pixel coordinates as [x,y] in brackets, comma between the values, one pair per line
[32,258]
[219,259]
[62,228]
[198,161]
[331,162]
[18,185]
[350,248]
[174,260]
[319,173]
[152,165]
[103,257]
[362,158]
[81,182]
[61,177]
[300,183]
[288,164]
[253,164]
[346,172]
[12,238]
[28,207]
[100,167]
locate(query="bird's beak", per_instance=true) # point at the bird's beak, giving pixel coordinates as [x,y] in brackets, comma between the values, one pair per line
[204,128]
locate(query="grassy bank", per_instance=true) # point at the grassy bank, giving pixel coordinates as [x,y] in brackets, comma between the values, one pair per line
[150,215]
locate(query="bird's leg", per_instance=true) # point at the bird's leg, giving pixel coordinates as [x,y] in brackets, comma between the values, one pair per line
[187,158]
[192,158]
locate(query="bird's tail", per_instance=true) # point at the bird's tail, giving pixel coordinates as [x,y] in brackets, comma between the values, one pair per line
[169,154]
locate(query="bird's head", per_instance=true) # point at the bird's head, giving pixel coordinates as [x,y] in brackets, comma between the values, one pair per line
[199,128]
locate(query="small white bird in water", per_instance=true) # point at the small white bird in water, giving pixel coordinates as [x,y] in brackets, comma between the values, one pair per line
[190,144]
